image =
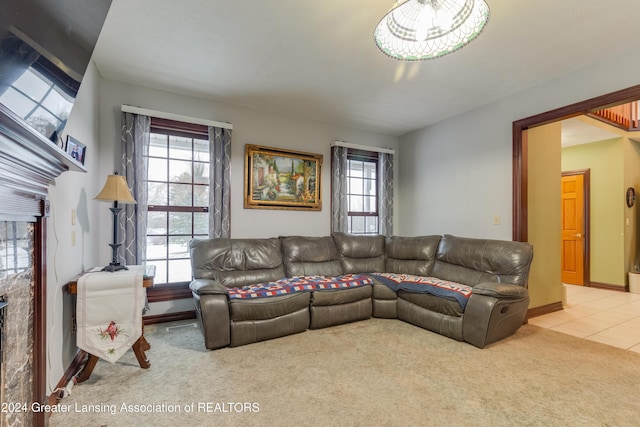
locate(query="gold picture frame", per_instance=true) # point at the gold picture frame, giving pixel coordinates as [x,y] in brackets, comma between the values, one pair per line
[275,178]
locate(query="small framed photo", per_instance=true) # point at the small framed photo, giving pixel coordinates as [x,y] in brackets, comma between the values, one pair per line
[76,149]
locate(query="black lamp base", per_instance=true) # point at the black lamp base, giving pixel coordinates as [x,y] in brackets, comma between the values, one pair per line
[114,267]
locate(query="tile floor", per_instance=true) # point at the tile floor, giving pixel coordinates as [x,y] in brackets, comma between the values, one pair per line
[609,317]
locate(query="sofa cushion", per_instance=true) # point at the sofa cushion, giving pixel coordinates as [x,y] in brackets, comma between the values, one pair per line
[330,315]
[432,303]
[435,286]
[501,290]
[268,308]
[449,326]
[382,292]
[304,256]
[236,262]
[473,261]
[344,296]
[250,331]
[411,255]
[360,254]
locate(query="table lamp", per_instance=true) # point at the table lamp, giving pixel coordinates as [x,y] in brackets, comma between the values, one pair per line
[115,190]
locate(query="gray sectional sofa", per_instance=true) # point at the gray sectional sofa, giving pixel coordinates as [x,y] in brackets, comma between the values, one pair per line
[488,278]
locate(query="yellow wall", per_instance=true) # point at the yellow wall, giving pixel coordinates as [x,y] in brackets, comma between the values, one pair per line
[631,150]
[614,167]
[627,220]
[604,159]
[545,286]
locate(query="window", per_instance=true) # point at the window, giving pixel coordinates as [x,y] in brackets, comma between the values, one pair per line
[361,189]
[178,196]
[362,195]
[42,98]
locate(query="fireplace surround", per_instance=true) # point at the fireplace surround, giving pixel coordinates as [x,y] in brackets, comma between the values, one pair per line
[17,337]
[3,304]
[55,41]
[28,163]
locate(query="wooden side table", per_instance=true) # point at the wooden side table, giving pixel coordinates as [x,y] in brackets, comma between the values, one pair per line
[139,347]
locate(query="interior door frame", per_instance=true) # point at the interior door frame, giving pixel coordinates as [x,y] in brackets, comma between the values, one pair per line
[586,223]
[520,227]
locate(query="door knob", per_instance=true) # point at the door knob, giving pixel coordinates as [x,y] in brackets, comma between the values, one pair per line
[578,235]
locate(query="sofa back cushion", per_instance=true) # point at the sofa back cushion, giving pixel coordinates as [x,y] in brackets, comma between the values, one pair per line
[472,261]
[360,254]
[306,256]
[411,255]
[236,262]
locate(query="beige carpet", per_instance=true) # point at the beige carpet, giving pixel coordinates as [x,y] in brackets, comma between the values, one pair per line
[376,372]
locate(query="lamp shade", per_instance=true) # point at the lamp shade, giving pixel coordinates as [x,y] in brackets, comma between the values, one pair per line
[426,29]
[116,190]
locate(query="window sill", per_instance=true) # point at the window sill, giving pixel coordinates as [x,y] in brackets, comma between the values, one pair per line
[169,292]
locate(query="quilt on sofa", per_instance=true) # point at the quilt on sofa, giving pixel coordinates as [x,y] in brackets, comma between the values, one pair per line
[295,284]
[428,285]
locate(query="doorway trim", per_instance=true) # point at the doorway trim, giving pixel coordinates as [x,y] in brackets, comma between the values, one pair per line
[520,163]
[586,208]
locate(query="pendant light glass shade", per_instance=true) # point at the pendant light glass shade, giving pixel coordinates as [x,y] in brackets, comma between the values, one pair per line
[425,29]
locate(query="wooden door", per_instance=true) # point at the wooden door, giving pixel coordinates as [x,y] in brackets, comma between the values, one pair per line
[573,229]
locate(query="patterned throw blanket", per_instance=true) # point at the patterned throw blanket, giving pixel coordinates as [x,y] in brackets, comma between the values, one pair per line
[300,284]
[430,285]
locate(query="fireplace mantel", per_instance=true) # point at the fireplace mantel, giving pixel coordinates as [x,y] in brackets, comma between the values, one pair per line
[28,163]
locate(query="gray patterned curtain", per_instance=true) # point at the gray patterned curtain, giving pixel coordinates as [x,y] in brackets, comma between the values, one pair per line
[133,220]
[385,191]
[339,189]
[220,188]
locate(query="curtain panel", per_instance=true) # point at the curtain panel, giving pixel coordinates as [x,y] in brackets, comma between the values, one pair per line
[339,202]
[133,218]
[385,191]
[220,185]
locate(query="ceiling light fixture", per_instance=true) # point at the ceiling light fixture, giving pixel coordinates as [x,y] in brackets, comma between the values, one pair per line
[426,29]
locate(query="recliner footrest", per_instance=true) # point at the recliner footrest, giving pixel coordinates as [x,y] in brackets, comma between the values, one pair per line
[331,315]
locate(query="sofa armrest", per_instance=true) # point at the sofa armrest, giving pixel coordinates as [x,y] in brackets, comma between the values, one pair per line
[208,287]
[211,302]
[501,290]
[491,316]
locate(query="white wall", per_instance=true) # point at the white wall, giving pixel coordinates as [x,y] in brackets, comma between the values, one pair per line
[249,127]
[455,176]
[452,177]
[95,121]
[72,191]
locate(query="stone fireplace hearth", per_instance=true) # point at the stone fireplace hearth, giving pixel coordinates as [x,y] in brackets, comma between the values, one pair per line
[16,288]
[3,304]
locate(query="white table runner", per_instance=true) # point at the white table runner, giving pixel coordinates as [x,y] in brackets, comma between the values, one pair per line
[109,311]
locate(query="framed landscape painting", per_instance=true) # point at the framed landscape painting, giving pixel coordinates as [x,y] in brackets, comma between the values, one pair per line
[281,179]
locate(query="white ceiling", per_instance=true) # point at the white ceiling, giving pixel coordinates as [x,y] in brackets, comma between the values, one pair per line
[317,59]
[576,132]
[79,19]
